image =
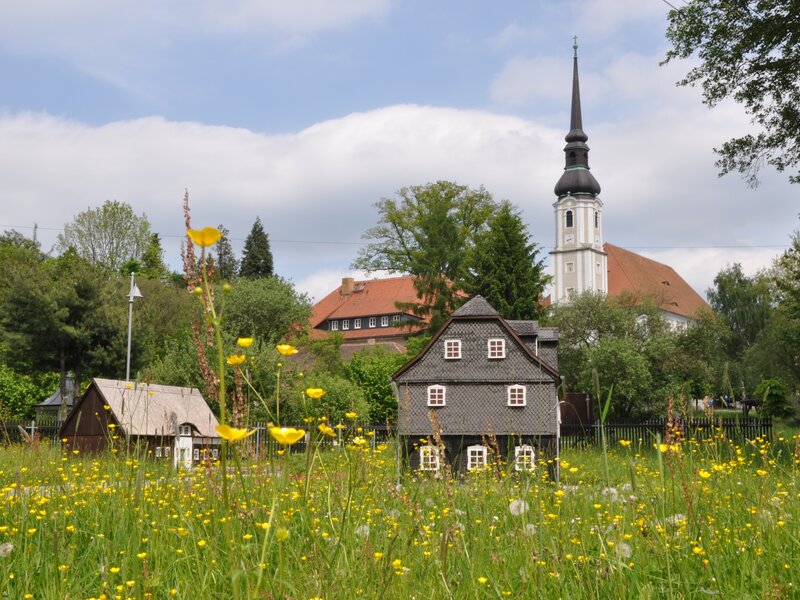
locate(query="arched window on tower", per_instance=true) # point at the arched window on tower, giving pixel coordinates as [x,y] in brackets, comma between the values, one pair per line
[569,219]
[571,159]
[596,219]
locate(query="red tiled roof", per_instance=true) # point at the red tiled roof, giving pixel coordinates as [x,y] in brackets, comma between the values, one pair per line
[635,274]
[373,297]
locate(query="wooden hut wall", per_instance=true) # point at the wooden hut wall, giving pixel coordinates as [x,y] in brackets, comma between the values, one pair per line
[86,428]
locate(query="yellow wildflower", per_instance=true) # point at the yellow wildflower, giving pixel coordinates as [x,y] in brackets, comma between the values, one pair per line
[315,393]
[236,359]
[208,236]
[287,435]
[351,415]
[286,349]
[232,434]
[326,430]
[245,342]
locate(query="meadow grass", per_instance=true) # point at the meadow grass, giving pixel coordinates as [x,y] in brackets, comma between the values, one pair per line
[684,520]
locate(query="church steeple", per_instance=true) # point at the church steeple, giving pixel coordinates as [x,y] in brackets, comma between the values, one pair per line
[576,178]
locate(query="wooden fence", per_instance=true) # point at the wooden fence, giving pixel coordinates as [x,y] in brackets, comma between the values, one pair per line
[733,428]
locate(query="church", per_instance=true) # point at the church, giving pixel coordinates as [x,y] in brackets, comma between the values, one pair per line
[581,261]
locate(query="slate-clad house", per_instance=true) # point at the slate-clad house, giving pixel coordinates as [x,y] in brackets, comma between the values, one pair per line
[482,385]
[173,423]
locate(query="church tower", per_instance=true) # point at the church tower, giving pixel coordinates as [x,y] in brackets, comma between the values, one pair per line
[579,262]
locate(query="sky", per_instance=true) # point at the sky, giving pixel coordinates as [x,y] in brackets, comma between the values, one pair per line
[306,113]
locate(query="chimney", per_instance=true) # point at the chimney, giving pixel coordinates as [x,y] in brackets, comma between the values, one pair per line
[348,285]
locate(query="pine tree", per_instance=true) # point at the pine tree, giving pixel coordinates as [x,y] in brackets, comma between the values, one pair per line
[504,266]
[257,257]
[152,262]
[226,263]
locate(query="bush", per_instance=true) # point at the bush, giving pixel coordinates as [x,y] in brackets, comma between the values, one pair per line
[774,396]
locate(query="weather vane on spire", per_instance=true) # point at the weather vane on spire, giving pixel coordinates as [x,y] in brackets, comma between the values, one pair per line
[575,45]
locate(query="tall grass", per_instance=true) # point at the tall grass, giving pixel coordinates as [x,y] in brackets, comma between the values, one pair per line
[688,519]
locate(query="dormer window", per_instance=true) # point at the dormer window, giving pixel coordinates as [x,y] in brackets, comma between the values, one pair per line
[436,395]
[345,324]
[334,325]
[185,430]
[496,348]
[373,321]
[385,321]
[516,395]
[452,349]
[356,323]
[569,219]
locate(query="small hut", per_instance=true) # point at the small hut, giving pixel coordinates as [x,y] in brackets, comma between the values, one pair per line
[57,406]
[171,423]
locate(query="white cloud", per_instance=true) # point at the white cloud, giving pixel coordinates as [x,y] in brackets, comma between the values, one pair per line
[603,17]
[314,189]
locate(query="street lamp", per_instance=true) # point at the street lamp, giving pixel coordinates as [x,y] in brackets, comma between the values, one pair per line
[134,293]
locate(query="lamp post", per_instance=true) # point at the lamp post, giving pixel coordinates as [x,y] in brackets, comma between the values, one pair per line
[134,293]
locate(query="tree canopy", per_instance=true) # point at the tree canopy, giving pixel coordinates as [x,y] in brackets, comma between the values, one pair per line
[426,231]
[256,256]
[504,266]
[749,51]
[107,236]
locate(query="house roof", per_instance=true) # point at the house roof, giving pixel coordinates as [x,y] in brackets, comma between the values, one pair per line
[150,409]
[372,297]
[55,399]
[644,277]
[481,310]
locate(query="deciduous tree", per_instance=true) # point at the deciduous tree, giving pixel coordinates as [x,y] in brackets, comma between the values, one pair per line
[748,50]
[107,236]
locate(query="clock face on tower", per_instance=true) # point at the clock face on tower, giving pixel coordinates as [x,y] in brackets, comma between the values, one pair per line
[569,239]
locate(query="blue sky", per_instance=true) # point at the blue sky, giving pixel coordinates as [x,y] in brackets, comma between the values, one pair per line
[305,113]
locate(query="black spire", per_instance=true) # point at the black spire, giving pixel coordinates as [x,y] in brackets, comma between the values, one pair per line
[576,178]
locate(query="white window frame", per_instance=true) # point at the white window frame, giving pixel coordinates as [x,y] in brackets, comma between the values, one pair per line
[513,398]
[452,349]
[437,395]
[185,430]
[569,267]
[196,453]
[476,457]
[569,219]
[214,453]
[373,322]
[334,325]
[167,451]
[356,323]
[158,451]
[345,324]
[429,458]
[496,348]
[385,321]
[524,458]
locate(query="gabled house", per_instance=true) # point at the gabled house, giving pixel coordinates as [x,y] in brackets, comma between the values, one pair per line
[365,313]
[171,423]
[483,388]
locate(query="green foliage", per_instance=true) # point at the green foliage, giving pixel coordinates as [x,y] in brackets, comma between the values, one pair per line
[62,315]
[20,392]
[266,308]
[341,396]
[225,263]
[176,364]
[326,352]
[15,239]
[107,236]
[749,51]
[372,371]
[152,260]
[415,344]
[504,266]
[775,398]
[427,232]
[257,256]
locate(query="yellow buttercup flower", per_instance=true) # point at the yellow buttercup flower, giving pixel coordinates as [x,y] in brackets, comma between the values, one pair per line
[245,342]
[287,435]
[286,349]
[326,430]
[351,415]
[232,434]
[315,393]
[207,236]
[236,359]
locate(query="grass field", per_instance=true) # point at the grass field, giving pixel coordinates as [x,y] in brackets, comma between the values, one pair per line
[681,520]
